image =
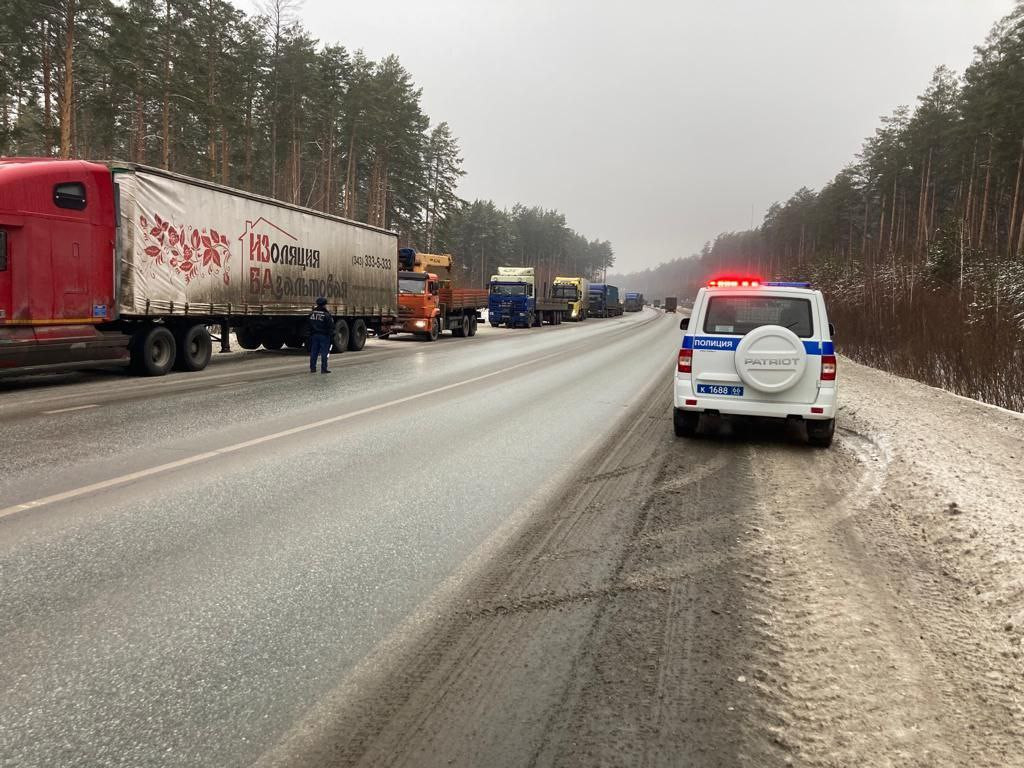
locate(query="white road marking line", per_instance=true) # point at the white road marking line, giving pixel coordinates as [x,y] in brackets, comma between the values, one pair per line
[161,468]
[74,408]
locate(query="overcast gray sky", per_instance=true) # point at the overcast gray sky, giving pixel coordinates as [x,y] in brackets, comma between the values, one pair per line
[654,124]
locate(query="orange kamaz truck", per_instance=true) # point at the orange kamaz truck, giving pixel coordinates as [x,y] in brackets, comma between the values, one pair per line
[428,301]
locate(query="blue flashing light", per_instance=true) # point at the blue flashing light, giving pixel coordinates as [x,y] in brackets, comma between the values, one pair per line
[788,285]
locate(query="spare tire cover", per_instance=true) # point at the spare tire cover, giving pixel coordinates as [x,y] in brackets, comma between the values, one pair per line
[771,359]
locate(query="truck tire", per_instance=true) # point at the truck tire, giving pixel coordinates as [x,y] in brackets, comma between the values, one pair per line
[472,325]
[153,351]
[357,335]
[435,330]
[462,331]
[272,339]
[494,324]
[194,348]
[247,338]
[340,343]
[685,423]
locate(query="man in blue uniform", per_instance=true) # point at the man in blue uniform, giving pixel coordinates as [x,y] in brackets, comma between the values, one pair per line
[321,334]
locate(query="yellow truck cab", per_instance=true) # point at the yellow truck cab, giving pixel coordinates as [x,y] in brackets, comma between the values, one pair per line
[575,291]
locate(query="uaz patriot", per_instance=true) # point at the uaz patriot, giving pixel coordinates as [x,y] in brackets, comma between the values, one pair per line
[760,350]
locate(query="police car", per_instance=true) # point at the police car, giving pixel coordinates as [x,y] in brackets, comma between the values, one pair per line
[760,349]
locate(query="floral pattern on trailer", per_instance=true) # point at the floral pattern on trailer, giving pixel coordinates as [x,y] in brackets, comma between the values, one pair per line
[188,250]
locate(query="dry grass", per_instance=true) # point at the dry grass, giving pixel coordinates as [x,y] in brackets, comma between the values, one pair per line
[933,337]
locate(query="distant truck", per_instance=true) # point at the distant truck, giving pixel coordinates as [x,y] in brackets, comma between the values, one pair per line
[428,301]
[657,303]
[634,301]
[671,302]
[575,291]
[514,301]
[102,263]
[604,300]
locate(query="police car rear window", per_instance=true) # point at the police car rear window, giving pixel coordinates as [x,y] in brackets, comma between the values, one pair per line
[739,315]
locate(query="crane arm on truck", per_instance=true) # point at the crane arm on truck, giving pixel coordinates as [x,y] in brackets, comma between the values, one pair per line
[414,261]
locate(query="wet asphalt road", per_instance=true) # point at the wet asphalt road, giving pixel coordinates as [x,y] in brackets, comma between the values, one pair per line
[257,530]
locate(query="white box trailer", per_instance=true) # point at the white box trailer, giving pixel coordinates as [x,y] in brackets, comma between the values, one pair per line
[249,263]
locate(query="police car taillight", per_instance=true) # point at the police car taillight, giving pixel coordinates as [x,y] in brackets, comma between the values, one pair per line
[685,360]
[828,367]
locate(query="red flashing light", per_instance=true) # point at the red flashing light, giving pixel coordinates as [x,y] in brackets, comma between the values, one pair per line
[685,360]
[828,367]
[734,282]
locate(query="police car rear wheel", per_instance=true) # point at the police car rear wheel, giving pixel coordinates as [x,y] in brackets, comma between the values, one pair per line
[820,433]
[685,423]
[357,335]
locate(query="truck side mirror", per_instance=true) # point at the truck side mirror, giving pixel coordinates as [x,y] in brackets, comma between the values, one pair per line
[684,324]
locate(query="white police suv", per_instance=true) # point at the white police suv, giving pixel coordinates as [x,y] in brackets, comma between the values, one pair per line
[757,349]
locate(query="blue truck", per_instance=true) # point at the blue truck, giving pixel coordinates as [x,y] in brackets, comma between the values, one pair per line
[513,301]
[634,301]
[604,300]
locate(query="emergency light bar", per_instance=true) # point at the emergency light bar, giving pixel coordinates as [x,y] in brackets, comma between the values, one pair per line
[789,285]
[734,282]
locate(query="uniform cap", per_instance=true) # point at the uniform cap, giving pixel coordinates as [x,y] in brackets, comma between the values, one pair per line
[321,302]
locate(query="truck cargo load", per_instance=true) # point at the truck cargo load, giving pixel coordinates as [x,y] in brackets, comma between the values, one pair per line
[187,246]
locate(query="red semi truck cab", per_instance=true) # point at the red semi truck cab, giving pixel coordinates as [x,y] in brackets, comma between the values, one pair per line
[57,276]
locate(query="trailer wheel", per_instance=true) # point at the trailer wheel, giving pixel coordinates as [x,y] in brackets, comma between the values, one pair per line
[357,337]
[272,339]
[247,338]
[472,325]
[195,347]
[153,351]
[340,336]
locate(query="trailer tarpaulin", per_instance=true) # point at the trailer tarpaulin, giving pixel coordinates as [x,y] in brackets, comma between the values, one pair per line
[188,247]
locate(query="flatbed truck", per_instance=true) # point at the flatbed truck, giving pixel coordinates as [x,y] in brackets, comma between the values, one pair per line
[428,301]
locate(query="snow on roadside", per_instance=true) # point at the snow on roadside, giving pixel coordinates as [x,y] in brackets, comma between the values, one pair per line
[957,472]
